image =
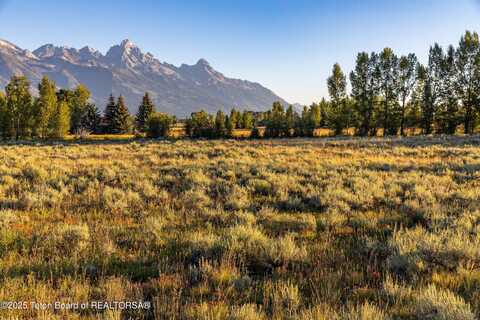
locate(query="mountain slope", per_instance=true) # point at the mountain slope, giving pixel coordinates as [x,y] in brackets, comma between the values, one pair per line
[126,70]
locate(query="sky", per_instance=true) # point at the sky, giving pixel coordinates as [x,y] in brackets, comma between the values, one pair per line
[288,46]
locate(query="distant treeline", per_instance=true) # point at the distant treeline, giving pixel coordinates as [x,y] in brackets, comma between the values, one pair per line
[388,94]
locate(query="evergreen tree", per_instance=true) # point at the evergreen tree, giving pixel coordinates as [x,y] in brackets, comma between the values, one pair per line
[220,125]
[337,88]
[60,122]
[145,110]
[407,78]
[91,118]
[110,114]
[18,115]
[122,119]
[45,107]
[468,83]
[117,117]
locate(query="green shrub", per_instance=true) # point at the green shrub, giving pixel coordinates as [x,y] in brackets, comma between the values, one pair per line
[159,124]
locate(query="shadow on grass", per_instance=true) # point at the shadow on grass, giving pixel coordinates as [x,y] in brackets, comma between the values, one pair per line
[342,141]
[136,270]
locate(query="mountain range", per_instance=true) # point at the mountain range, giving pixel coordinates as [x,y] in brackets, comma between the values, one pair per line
[128,71]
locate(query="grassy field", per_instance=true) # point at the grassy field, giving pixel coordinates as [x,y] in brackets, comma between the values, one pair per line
[303,229]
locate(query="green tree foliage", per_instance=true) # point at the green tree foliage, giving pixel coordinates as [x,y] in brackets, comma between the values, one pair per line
[248,120]
[407,79]
[311,119]
[233,121]
[220,125]
[91,118]
[60,122]
[389,89]
[291,121]
[468,82]
[389,92]
[276,121]
[236,118]
[145,111]
[447,117]
[431,77]
[365,88]
[65,95]
[3,113]
[19,108]
[110,114]
[45,107]
[337,88]
[159,124]
[200,125]
[117,117]
[123,121]
[78,102]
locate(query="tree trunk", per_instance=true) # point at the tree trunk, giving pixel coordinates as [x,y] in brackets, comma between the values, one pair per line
[402,121]
[385,120]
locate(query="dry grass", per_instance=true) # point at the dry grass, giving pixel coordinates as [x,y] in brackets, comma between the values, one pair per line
[272,229]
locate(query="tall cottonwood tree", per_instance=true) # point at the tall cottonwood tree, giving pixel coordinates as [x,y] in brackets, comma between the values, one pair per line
[448,118]
[248,120]
[310,119]
[431,77]
[200,125]
[220,124]
[45,107]
[389,88]
[60,121]
[275,122]
[406,83]
[290,121]
[78,102]
[337,88]
[468,82]
[365,88]
[18,111]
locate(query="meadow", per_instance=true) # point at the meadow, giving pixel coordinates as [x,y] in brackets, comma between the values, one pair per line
[308,229]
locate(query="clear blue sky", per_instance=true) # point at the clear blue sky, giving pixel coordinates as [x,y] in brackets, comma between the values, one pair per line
[287,45]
